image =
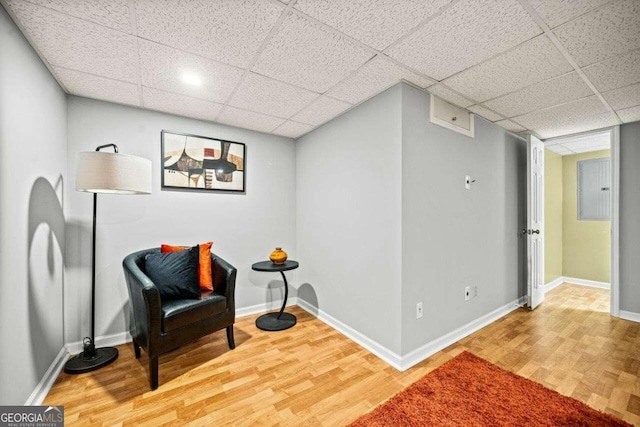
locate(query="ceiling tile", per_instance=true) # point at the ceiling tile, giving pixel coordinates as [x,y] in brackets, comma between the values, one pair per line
[555,12]
[616,72]
[563,151]
[249,120]
[179,104]
[228,31]
[591,139]
[510,126]
[624,97]
[485,112]
[292,129]
[559,149]
[75,44]
[549,117]
[469,32]
[96,87]
[321,110]
[264,95]
[305,54]
[629,115]
[591,149]
[606,32]
[541,95]
[441,91]
[165,68]
[531,62]
[113,13]
[372,78]
[577,124]
[377,23]
[581,146]
[586,145]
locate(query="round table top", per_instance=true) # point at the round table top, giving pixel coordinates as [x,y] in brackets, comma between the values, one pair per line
[270,266]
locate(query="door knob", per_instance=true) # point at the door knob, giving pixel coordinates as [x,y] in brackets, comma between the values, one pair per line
[525,231]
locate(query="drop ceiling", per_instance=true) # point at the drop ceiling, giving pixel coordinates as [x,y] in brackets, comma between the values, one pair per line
[550,67]
[575,144]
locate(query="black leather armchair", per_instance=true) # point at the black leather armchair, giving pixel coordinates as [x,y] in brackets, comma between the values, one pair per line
[160,327]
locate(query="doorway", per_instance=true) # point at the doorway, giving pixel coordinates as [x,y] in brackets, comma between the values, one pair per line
[580,208]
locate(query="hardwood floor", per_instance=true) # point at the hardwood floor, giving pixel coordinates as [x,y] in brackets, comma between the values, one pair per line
[313,375]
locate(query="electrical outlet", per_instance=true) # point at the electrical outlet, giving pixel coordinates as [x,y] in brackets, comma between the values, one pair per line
[467,293]
[418,310]
[475,291]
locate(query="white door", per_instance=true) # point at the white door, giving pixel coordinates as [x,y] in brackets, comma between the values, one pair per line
[535,222]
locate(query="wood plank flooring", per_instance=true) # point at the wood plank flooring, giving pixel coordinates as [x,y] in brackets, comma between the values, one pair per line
[313,375]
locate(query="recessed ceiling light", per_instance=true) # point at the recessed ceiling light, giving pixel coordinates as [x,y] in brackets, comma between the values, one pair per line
[191,79]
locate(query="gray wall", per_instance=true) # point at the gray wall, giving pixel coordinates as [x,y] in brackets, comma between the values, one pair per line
[384,220]
[452,237]
[33,132]
[245,228]
[630,217]
[348,215]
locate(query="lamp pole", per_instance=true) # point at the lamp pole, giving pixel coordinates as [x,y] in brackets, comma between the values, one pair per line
[92,358]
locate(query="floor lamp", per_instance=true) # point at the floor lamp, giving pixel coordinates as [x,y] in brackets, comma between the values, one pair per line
[111,173]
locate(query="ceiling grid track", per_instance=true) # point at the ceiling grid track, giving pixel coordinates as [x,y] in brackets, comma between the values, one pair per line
[101,52]
[134,31]
[418,27]
[263,45]
[25,34]
[547,31]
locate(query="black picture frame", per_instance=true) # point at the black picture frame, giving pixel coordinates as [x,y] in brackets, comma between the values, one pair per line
[201,163]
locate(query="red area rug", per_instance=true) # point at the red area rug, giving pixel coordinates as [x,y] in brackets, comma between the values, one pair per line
[469,391]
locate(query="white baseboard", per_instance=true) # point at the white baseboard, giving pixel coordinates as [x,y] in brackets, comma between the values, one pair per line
[584,282]
[553,284]
[430,348]
[103,341]
[629,315]
[263,308]
[124,337]
[374,347]
[402,363]
[43,387]
[49,377]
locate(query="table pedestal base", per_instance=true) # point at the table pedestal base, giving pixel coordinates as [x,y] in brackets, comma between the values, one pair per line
[270,321]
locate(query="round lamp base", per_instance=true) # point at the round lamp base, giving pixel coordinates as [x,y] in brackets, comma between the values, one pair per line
[270,321]
[81,364]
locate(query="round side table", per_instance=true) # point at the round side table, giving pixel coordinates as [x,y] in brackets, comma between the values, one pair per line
[276,321]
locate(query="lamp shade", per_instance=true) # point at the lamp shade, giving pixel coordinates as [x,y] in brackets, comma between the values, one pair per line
[103,172]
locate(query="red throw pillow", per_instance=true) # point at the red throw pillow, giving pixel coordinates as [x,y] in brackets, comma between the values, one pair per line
[204,266]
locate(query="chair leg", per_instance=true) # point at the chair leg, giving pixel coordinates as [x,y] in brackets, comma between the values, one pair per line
[153,372]
[136,350]
[232,343]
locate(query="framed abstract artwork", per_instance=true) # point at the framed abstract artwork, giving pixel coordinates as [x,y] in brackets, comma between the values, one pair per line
[192,162]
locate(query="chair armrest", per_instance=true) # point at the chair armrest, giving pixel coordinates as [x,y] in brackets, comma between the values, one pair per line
[144,300]
[224,279]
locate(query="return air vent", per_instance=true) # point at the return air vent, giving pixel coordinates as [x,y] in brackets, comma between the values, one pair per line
[451,117]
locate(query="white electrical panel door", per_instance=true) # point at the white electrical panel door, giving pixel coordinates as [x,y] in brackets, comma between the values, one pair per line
[451,117]
[594,189]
